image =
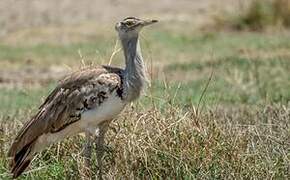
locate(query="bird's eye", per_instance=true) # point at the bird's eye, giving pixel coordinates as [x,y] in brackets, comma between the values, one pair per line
[129,23]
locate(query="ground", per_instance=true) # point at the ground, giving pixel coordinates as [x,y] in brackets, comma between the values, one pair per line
[217,107]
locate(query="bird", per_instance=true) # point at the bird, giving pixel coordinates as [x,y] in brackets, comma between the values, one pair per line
[85,101]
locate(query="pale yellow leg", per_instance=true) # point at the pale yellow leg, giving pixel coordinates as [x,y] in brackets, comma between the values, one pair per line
[100,139]
[87,154]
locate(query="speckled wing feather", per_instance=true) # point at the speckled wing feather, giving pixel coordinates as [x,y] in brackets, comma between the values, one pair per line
[77,93]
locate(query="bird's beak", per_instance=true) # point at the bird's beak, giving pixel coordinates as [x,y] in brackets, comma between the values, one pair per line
[148,22]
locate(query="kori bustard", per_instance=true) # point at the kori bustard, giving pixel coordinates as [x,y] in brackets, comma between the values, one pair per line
[85,101]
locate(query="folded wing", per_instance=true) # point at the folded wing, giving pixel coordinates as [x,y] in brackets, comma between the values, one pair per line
[74,95]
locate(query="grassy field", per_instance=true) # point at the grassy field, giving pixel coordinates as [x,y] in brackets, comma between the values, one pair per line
[218,106]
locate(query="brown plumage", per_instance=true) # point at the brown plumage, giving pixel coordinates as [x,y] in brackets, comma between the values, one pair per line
[78,92]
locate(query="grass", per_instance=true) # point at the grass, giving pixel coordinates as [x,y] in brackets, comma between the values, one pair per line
[44,54]
[246,80]
[238,130]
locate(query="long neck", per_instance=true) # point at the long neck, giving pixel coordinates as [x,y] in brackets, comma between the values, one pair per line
[135,75]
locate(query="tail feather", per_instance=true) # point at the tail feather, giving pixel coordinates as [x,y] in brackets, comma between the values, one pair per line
[19,170]
[21,160]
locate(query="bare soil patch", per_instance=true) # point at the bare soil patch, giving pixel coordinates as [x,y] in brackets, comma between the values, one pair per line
[31,76]
[31,13]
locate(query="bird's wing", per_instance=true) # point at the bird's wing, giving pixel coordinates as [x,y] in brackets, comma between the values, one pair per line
[77,93]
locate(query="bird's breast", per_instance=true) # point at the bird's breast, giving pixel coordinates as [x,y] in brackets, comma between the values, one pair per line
[108,110]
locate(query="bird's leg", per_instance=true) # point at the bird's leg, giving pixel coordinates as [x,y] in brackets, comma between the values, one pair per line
[100,139]
[87,155]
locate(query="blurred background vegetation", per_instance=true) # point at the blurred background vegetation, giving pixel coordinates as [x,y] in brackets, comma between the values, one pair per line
[258,15]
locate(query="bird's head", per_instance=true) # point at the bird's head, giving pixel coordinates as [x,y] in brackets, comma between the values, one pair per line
[131,26]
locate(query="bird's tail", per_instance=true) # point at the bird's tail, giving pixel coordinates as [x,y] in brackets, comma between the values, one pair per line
[21,159]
